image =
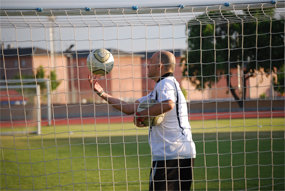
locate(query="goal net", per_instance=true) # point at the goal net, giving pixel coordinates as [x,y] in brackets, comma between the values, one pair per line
[26,103]
[230,66]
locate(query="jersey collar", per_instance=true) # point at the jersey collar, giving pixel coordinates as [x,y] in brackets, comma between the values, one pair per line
[164,76]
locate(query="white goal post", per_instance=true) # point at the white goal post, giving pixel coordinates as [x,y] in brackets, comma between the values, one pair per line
[38,102]
[229,64]
[25,81]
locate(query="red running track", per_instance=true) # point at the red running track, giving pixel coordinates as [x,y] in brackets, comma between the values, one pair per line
[128,119]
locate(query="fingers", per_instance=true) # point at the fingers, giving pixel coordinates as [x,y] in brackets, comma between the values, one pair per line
[89,79]
[136,121]
[92,79]
[140,124]
[95,85]
[139,121]
[92,82]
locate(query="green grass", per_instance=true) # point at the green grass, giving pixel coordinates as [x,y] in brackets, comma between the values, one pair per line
[231,154]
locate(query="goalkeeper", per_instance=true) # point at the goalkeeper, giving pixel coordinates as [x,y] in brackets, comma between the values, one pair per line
[172,147]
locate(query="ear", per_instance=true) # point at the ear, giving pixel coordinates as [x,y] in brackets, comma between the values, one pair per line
[162,68]
[160,64]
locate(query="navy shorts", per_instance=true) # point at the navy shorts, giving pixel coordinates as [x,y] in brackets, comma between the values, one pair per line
[171,175]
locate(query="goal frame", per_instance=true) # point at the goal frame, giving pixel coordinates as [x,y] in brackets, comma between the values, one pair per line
[38,105]
[111,19]
[48,88]
[76,8]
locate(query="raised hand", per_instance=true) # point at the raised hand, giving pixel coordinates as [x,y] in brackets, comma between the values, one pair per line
[95,85]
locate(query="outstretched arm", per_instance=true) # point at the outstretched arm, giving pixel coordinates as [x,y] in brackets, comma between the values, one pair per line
[127,108]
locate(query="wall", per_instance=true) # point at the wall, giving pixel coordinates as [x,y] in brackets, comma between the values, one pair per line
[60,95]
[28,65]
[13,66]
[127,77]
[218,91]
[260,85]
[123,81]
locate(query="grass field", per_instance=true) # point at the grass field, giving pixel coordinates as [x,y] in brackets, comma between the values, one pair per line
[235,154]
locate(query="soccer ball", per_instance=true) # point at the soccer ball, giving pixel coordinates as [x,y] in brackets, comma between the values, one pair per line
[151,120]
[100,61]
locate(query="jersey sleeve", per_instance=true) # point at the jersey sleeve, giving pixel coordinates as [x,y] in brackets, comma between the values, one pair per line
[144,98]
[166,91]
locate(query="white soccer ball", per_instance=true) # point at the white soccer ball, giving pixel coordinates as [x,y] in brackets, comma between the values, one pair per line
[151,120]
[100,61]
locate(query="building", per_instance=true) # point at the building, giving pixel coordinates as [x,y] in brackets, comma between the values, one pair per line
[128,79]
[124,81]
[24,63]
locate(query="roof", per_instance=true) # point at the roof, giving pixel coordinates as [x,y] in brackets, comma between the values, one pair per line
[85,53]
[80,53]
[24,51]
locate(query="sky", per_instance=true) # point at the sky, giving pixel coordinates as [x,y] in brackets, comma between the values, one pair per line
[126,34]
[126,38]
[143,37]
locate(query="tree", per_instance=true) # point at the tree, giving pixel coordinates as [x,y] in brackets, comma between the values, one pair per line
[40,74]
[53,78]
[226,41]
[279,81]
[54,82]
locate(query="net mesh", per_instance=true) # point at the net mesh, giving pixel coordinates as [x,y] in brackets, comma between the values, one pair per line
[230,68]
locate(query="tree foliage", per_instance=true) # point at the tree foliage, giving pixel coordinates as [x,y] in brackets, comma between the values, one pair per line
[40,74]
[279,86]
[54,83]
[222,43]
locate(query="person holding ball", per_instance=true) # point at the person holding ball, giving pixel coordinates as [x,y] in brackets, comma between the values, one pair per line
[172,147]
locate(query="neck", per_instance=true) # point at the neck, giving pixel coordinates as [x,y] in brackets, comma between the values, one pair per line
[164,75]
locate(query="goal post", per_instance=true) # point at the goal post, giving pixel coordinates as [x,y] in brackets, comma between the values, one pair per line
[229,64]
[38,104]
[35,81]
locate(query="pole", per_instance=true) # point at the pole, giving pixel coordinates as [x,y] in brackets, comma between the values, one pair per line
[48,102]
[39,113]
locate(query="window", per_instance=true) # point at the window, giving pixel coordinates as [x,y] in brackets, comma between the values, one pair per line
[23,63]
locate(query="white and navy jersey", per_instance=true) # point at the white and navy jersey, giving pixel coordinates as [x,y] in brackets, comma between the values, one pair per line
[172,139]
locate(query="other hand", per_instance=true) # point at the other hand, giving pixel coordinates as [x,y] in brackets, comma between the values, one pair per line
[138,120]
